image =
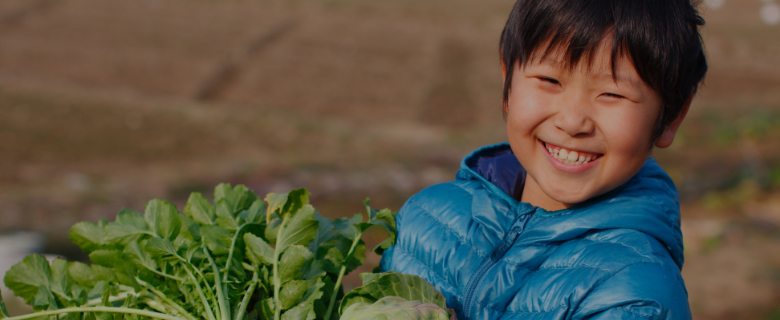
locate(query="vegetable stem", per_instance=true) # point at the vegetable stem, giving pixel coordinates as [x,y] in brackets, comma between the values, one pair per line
[341,275]
[145,313]
[117,297]
[230,253]
[206,305]
[247,297]
[167,300]
[277,279]
[221,297]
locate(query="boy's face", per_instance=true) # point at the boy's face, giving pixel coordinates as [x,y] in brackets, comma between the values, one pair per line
[579,133]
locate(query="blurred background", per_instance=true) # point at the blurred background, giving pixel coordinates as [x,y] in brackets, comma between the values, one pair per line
[108,104]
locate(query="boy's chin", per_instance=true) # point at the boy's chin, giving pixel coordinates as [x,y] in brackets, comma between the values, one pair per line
[570,198]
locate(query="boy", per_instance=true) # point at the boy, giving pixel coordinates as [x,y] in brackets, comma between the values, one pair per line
[571,219]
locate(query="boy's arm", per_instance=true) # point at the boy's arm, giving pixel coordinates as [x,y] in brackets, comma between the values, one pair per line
[644,290]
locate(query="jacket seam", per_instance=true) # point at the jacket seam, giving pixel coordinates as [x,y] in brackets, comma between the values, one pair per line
[612,274]
[627,246]
[577,267]
[559,306]
[626,309]
[652,257]
[460,237]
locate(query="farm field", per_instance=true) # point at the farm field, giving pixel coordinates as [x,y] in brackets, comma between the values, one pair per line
[107,104]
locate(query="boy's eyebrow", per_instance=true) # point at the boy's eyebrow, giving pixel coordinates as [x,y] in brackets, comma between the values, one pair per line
[620,77]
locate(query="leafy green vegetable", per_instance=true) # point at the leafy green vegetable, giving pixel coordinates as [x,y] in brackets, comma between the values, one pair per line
[240,258]
[407,287]
[395,308]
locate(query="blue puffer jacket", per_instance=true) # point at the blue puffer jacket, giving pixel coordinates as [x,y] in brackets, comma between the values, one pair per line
[615,256]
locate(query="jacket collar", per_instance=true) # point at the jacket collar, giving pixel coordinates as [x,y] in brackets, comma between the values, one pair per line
[648,202]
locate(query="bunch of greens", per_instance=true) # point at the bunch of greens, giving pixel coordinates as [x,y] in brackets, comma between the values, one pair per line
[243,258]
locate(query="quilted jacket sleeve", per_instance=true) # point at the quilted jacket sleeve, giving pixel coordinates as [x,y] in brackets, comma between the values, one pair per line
[646,290]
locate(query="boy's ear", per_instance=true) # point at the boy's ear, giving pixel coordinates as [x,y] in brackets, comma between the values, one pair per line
[667,137]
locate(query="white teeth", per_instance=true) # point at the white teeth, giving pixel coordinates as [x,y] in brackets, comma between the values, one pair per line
[570,157]
[563,154]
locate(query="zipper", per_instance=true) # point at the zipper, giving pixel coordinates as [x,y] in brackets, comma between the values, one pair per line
[492,259]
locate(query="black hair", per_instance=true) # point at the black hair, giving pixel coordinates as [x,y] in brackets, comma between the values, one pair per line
[660,37]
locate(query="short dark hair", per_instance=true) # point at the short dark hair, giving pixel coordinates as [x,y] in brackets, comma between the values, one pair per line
[660,37]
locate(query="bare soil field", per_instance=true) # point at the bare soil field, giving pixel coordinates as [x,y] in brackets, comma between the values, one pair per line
[107,104]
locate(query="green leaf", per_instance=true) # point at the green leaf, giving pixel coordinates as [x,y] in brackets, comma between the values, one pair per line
[105,258]
[313,290]
[348,227]
[255,213]
[225,217]
[61,282]
[312,269]
[292,261]
[217,239]
[325,233]
[386,219]
[296,199]
[266,307]
[303,311]
[44,300]
[128,223]
[358,256]
[336,257]
[103,273]
[125,271]
[163,218]
[3,309]
[27,276]
[100,288]
[276,202]
[291,292]
[199,209]
[272,230]
[300,230]
[370,276]
[258,251]
[394,308]
[394,284]
[140,256]
[87,235]
[239,197]
[160,247]
[333,260]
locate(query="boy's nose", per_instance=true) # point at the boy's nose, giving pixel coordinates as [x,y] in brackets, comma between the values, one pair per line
[574,120]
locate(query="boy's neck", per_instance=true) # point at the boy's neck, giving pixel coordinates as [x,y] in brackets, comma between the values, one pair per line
[534,195]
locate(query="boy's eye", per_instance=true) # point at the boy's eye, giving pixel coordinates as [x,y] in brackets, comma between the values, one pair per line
[549,80]
[613,95]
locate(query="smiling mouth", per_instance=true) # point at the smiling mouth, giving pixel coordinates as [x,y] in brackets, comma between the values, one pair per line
[570,157]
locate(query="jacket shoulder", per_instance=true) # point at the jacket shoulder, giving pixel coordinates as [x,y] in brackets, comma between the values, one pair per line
[643,289]
[639,278]
[442,198]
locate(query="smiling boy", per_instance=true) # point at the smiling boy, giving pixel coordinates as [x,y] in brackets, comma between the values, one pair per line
[571,219]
